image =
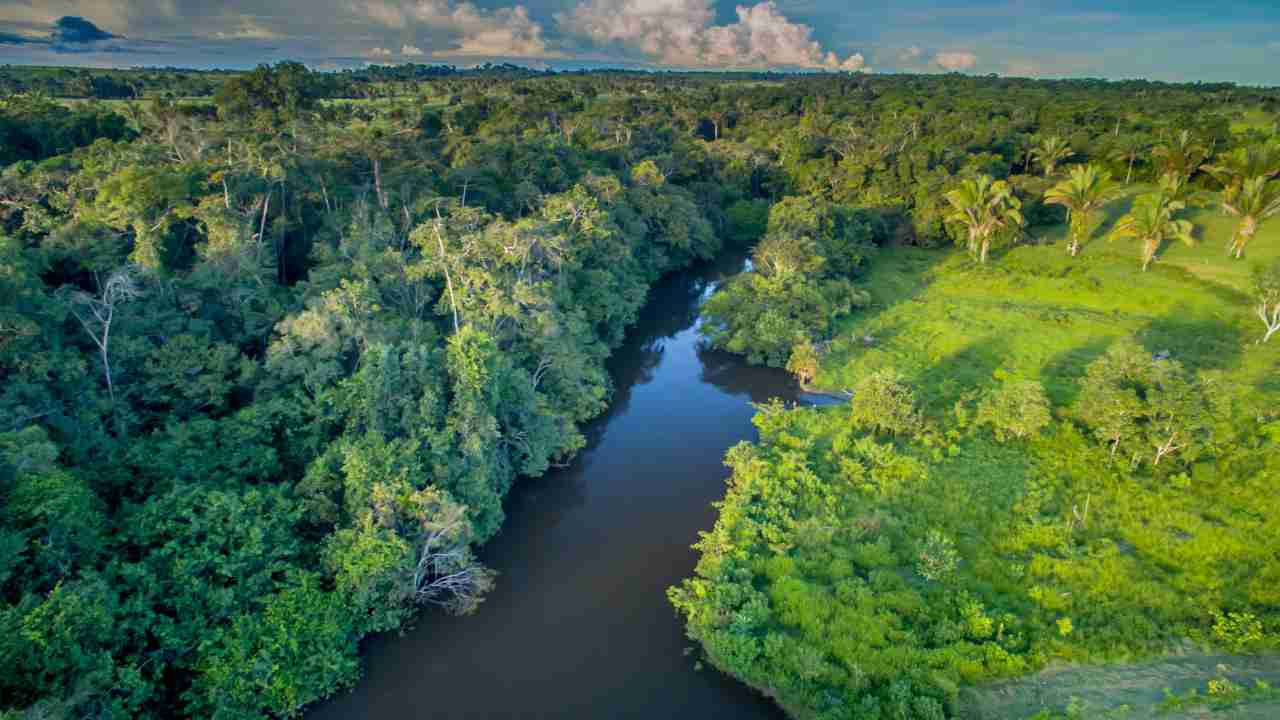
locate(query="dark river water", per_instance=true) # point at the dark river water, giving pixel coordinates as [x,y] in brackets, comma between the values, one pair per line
[579,625]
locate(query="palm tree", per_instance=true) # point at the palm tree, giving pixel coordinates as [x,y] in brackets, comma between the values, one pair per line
[1151,221]
[1233,168]
[1180,156]
[1178,187]
[1128,149]
[1051,151]
[985,206]
[1257,200]
[1085,191]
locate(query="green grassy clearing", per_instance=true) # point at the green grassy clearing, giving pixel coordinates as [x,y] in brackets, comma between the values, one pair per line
[1037,312]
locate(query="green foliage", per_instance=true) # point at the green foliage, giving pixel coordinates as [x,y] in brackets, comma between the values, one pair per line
[298,648]
[988,210]
[797,286]
[276,93]
[1141,518]
[1144,408]
[275,345]
[1151,221]
[1017,409]
[883,403]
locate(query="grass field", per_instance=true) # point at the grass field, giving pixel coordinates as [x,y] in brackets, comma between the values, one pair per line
[1133,691]
[1035,311]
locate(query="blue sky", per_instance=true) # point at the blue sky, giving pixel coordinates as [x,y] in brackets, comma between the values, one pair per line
[1177,40]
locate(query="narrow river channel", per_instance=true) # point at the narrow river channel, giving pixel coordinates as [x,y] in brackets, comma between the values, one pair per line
[579,625]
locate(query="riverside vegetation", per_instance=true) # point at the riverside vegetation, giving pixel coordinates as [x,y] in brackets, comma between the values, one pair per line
[1061,443]
[275,345]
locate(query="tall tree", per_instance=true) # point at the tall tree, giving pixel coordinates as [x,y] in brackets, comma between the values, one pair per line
[1151,221]
[1128,149]
[1085,191]
[1180,156]
[985,206]
[97,314]
[1257,200]
[1051,151]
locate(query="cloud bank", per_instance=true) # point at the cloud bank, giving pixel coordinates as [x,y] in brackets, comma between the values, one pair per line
[682,33]
[956,60]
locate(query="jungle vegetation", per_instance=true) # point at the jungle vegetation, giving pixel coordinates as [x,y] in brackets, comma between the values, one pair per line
[274,346]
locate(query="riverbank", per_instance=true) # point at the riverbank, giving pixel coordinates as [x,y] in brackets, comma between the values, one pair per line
[933,537]
[578,625]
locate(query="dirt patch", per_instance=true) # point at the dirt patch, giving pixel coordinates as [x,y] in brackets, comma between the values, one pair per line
[1103,689]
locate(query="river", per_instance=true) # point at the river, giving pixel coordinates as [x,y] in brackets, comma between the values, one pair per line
[579,625]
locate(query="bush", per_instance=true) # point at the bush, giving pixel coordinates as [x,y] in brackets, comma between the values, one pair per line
[1017,408]
[884,404]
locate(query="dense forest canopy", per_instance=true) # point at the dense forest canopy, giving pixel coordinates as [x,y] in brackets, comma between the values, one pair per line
[275,345]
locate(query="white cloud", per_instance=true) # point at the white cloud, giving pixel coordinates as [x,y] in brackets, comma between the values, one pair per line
[248,29]
[956,60]
[411,51]
[680,32]
[910,54]
[379,52]
[506,31]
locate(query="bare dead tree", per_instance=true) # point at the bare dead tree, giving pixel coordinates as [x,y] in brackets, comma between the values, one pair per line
[444,262]
[96,314]
[446,574]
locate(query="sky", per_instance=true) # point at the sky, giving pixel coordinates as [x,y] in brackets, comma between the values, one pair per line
[1173,40]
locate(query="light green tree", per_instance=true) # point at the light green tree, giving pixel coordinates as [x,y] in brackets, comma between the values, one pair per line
[1181,155]
[1257,200]
[1050,152]
[1085,191]
[985,206]
[1151,221]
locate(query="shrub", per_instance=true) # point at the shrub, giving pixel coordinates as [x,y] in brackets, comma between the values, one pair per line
[883,403]
[1017,408]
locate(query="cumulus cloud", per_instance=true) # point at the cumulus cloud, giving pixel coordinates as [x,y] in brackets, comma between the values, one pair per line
[379,52]
[956,60]
[411,51]
[506,31]
[910,54]
[680,32]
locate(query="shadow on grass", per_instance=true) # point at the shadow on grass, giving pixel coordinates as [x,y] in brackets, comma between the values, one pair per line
[1198,343]
[1269,384]
[1063,372]
[969,369]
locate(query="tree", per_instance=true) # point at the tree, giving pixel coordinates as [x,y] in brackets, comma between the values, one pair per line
[1266,284]
[97,314]
[282,92]
[985,206]
[1144,408]
[883,403]
[1232,169]
[804,362]
[1017,408]
[1181,156]
[1151,222]
[1257,200]
[1051,151]
[1129,148]
[1085,191]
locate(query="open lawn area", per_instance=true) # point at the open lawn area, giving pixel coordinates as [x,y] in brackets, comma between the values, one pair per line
[1034,311]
